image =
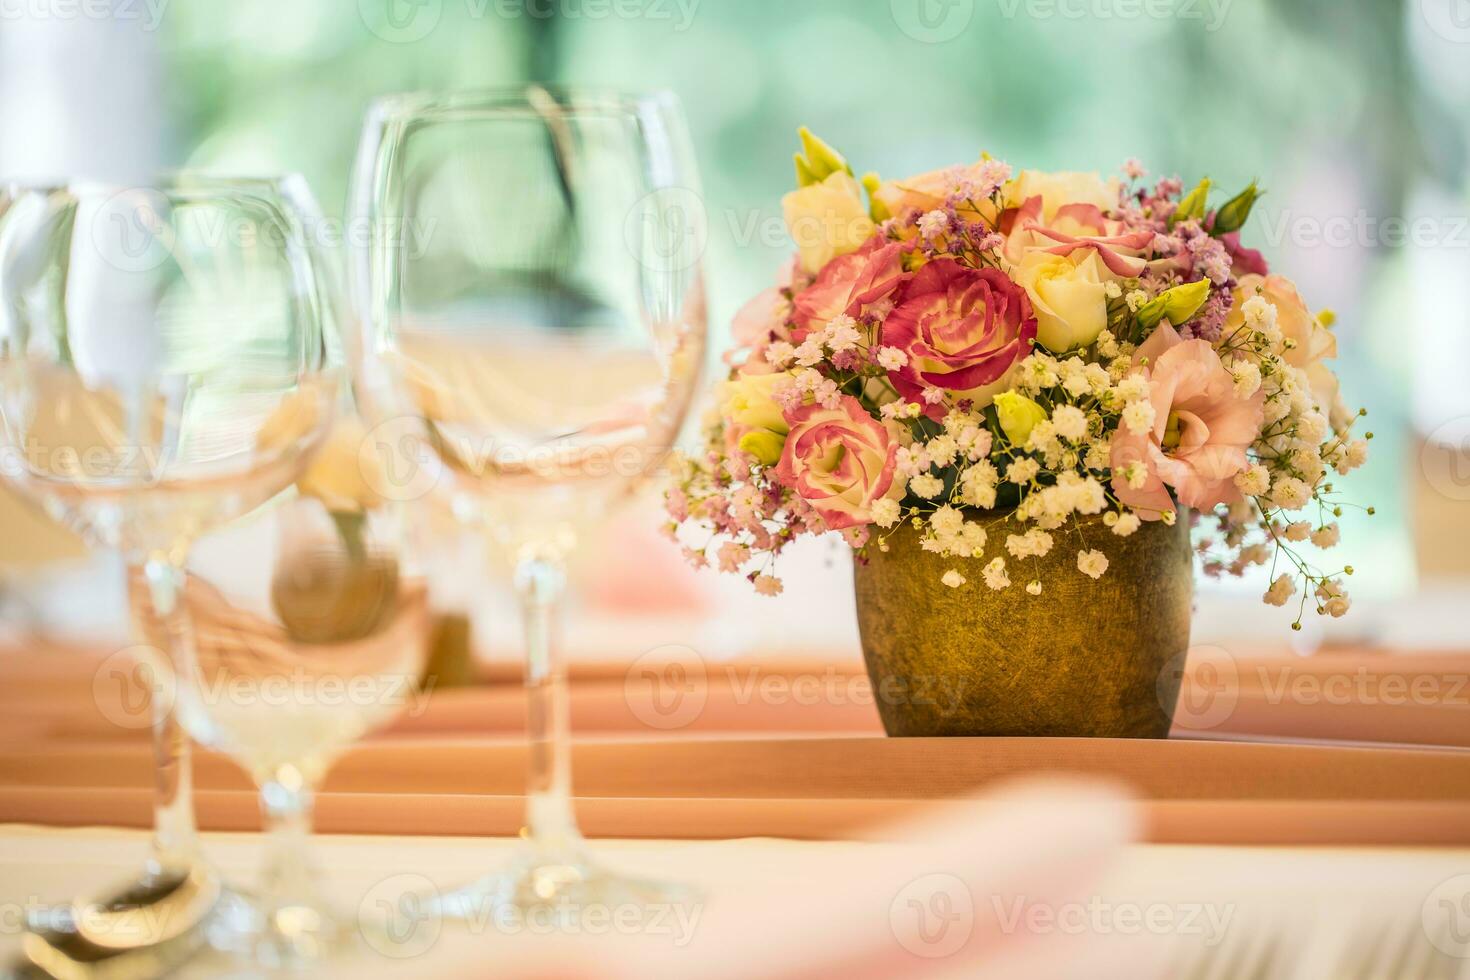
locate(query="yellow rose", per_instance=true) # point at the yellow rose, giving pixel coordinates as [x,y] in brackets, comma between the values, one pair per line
[1059,189]
[753,421]
[827,219]
[1069,297]
[345,470]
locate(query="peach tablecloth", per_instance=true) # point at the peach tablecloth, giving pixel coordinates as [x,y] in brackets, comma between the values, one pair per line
[1345,747]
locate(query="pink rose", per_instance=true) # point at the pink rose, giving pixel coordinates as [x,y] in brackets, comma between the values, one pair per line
[963,330]
[1076,227]
[840,461]
[1200,435]
[846,285]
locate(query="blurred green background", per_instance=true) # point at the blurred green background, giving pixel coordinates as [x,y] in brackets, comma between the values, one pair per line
[1353,113]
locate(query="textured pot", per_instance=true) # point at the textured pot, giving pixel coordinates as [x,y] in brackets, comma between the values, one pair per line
[1084,658]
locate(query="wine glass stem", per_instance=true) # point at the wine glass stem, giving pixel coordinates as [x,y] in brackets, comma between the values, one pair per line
[286,805]
[175,841]
[550,822]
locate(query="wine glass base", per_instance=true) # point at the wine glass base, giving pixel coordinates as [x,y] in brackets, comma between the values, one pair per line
[285,937]
[149,926]
[560,890]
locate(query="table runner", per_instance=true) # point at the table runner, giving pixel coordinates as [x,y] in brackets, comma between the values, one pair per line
[792,748]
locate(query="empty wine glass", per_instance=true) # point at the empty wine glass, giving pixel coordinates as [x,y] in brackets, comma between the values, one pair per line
[310,627]
[532,305]
[163,369]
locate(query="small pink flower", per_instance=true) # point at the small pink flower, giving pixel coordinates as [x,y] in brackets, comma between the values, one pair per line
[839,461]
[768,585]
[1200,435]
[962,330]
[847,284]
[732,556]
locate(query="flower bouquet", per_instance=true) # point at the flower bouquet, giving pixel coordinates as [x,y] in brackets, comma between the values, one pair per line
[1014,394]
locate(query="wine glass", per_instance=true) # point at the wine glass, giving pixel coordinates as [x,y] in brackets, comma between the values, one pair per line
[310,627]
[163,369]
[531,300]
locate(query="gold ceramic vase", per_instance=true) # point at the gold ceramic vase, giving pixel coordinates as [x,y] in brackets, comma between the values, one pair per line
[1084,658]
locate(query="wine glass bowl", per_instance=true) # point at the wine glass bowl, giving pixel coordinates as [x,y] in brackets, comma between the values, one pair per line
[545,347]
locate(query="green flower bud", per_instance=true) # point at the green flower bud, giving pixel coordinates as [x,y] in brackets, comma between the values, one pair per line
[1193,205]
[1177,304]
[1233,213]
[1018,416]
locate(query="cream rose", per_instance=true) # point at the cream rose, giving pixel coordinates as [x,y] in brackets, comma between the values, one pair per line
[827,219]
[1068,294]
[1059,189]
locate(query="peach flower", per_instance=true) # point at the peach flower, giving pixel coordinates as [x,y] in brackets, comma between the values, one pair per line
[1200,433]
[1312,341]
[846,285]
[840,461]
